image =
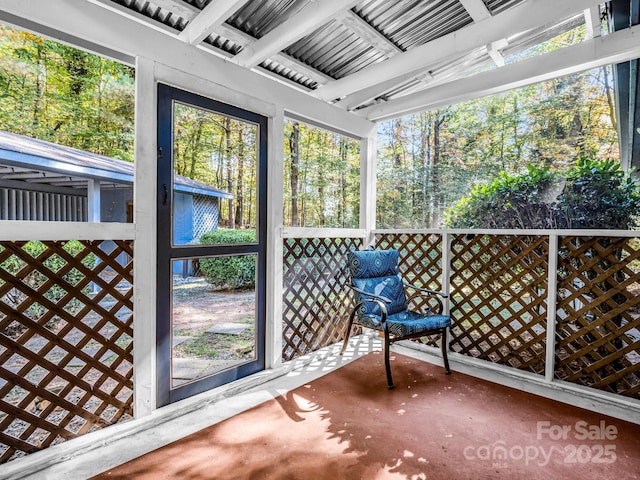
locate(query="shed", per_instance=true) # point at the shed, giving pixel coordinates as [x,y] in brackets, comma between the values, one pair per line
[44,181]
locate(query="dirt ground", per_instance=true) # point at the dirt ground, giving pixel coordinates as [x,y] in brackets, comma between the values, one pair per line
[197,307]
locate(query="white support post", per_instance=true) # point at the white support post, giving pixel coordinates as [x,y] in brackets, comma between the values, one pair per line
[368,186]
[145,246]
[445,246]
[552,289]
[275,215]
[93,200]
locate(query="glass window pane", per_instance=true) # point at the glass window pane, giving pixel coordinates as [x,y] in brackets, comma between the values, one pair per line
[213,316]
[322,177]
[215,175]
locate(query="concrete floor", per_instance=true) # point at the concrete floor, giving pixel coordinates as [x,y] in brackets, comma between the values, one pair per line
[93,453]
[106,449]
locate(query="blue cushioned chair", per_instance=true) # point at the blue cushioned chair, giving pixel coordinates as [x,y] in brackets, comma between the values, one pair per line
[381,303]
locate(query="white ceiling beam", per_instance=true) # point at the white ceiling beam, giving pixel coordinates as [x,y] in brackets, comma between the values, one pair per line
[135,16]
[368,34]
[444,72]
[592,21]
[211,17]
[613,48]
[479,12]
[525,16]
[476,9]
[494,51]
[179,7]
[313,15]
[92,23]
[244,39]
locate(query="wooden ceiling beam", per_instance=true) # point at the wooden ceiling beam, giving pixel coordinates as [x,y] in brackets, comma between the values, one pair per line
[592,21]
[210,18]
[243,39]
[180,8]
[368,34]
[313,15]
[476,9]
[616,47]
[527,15]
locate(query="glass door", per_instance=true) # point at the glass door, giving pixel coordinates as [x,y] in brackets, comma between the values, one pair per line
[211,243]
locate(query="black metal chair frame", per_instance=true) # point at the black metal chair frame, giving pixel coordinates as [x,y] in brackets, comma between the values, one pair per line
[388,339]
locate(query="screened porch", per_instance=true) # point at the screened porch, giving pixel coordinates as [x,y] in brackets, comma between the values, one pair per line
[83,352]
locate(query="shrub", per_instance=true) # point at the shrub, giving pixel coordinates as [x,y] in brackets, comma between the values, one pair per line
[235,272]
[591,194]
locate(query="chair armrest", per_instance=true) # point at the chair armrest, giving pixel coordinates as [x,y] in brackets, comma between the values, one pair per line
[372,295]
[426,290]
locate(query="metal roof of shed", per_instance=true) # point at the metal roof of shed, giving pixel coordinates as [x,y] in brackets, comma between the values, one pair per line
[37,162]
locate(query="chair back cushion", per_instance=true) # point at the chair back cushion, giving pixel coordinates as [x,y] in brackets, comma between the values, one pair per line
[376,271]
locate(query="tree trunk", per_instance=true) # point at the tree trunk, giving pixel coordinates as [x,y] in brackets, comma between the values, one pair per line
[342,207]
[610,102]
[229,157]
[239,187]
[437,124]
[195,141]
[294,148]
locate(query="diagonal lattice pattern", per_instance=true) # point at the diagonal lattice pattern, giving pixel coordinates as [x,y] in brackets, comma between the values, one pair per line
[499,290]
[317,302]
[420,263]
[598,316]
[66,341]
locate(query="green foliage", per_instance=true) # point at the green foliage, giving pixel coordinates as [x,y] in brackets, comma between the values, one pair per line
[591,194]
[598,194]
[508,202]
[327,178]
[64,95]
[427,162]
[236,272]
[35,248]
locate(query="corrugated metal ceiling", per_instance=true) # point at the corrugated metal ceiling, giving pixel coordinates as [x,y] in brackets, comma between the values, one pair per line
[338,48]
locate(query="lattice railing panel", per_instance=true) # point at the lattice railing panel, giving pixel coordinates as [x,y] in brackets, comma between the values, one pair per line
[66,341]
[317,302]
[420,264]
[598,316]
[420,256]
[498,304]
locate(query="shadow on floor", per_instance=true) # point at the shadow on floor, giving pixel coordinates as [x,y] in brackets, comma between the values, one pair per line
[347,425]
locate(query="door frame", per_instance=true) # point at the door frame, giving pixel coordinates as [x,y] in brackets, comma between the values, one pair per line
[167,252]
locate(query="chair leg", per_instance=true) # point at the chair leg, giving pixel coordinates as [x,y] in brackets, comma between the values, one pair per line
[387,364]
[444,351]
[346,338]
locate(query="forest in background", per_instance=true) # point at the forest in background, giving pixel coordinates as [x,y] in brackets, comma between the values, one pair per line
[64,95]
[426,162]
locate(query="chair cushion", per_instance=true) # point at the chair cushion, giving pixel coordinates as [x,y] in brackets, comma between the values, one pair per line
[390,287]
[373,263]
[406,323]
[376,271]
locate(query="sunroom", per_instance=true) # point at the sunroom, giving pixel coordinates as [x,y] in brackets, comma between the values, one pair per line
[113,337]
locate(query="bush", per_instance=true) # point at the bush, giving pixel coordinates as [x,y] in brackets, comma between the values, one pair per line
[508,202]
[236,272]
[591,194]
